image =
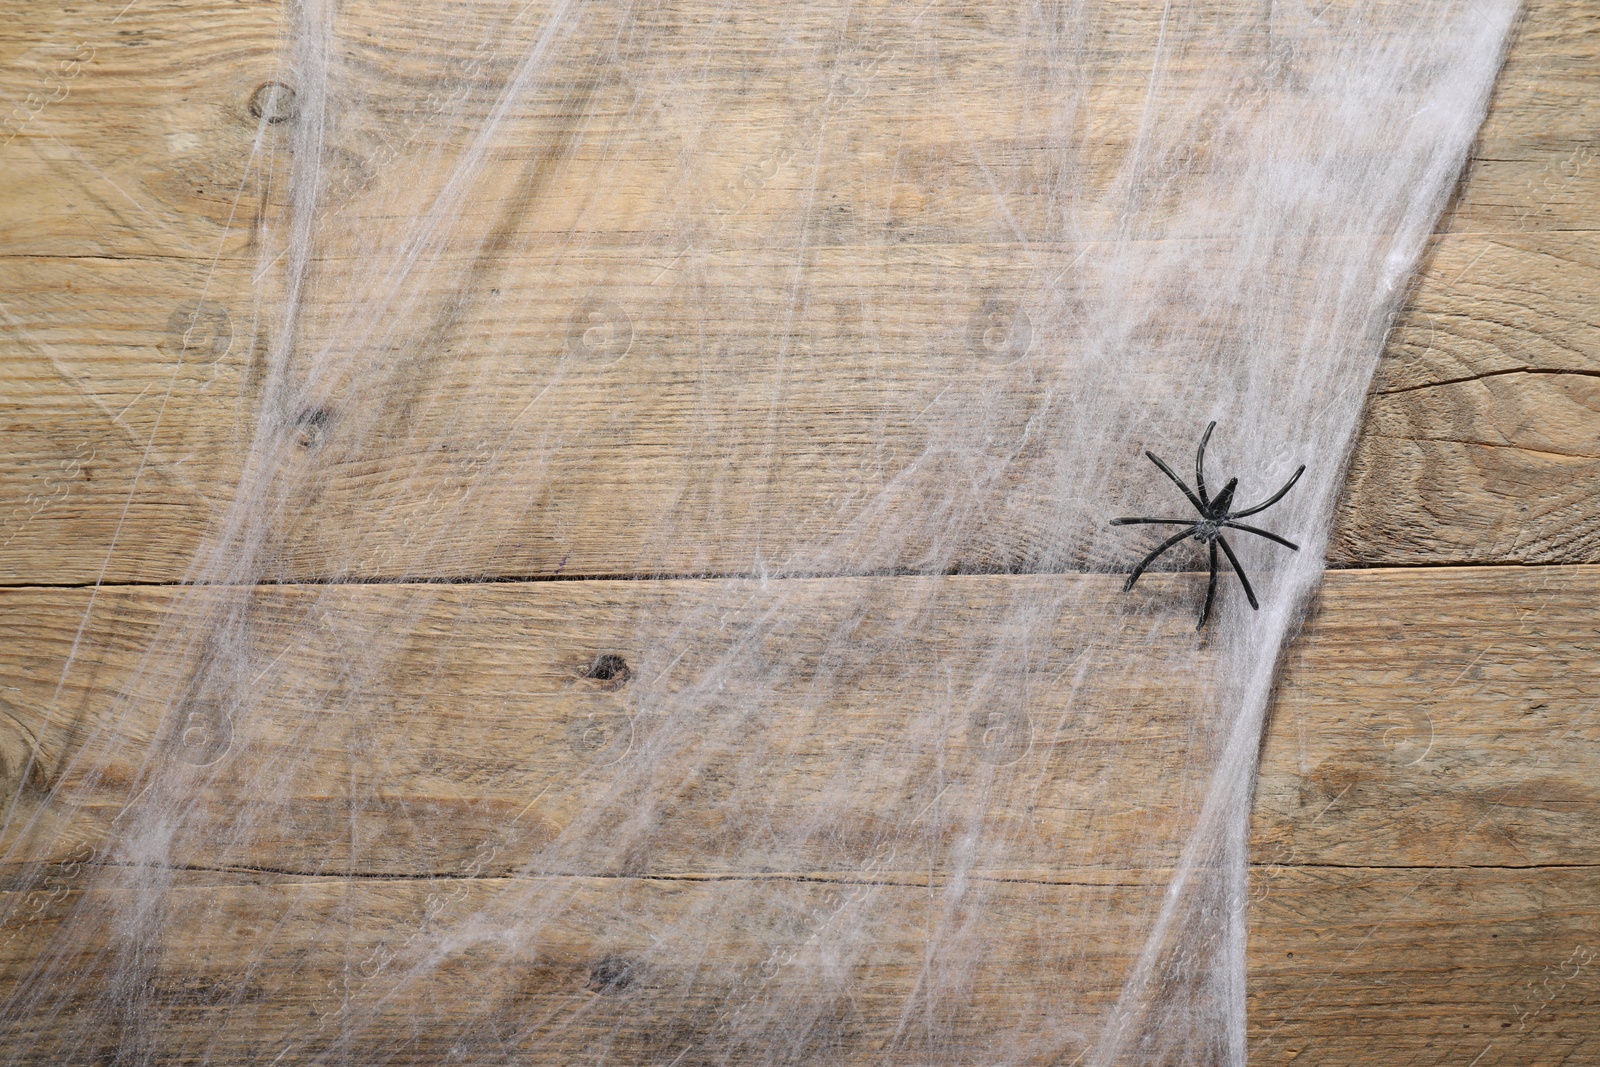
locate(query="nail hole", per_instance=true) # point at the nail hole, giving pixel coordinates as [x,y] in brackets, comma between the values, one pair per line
[311,427]
[273,102]
[609,667]
[613,974]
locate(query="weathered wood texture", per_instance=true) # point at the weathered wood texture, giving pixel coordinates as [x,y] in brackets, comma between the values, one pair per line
[1425,832]
[1349,966]
[134,347]
[1425,828]
[1464,736]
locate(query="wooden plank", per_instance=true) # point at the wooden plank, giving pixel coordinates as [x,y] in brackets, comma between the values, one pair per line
[1532,170]
[1496,462]
[1437,716]
[1347,966]
[1425,833]
[89,87]
[1448,966]
[1461,735]
[797,723]
[124,437]
[1479,443]
[1462,741]
[128,134]
[635,969]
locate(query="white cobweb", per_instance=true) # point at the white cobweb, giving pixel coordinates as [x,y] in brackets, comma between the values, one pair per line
[850,324]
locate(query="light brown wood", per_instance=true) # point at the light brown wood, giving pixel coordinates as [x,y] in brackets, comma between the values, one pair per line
[1356,966]
[1425,824]
[1480,442]
[1348,965]
[123,443]
[1462,734]
[1425,842]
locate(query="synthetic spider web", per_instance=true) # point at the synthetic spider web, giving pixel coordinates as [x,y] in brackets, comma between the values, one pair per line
[845,323]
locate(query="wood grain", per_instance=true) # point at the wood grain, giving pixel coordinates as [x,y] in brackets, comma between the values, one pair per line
[136,347]
[1425,833]
[1482,432]
[1425,825]
[1348,966]
[1461,736]
[1354,966]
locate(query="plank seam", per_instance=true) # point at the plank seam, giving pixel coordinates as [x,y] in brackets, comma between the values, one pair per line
[542,579]
[818,878]
[1487,374]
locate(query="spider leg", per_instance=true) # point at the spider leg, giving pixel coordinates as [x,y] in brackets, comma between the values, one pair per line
[1249,593]
[1157,522]
[1198,506]
[1274,498]
[1200,464]
[1270,536]
[1151,558]
[1211,590]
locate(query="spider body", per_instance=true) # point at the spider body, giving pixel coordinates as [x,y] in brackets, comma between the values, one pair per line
[1216,515]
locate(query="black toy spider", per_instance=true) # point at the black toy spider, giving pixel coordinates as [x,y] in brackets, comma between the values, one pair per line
[1214,515]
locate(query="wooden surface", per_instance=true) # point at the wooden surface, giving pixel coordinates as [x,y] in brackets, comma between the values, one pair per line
[1426,884]
[1349,966]
[1507,660]
[1425,838]
[1478,445]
